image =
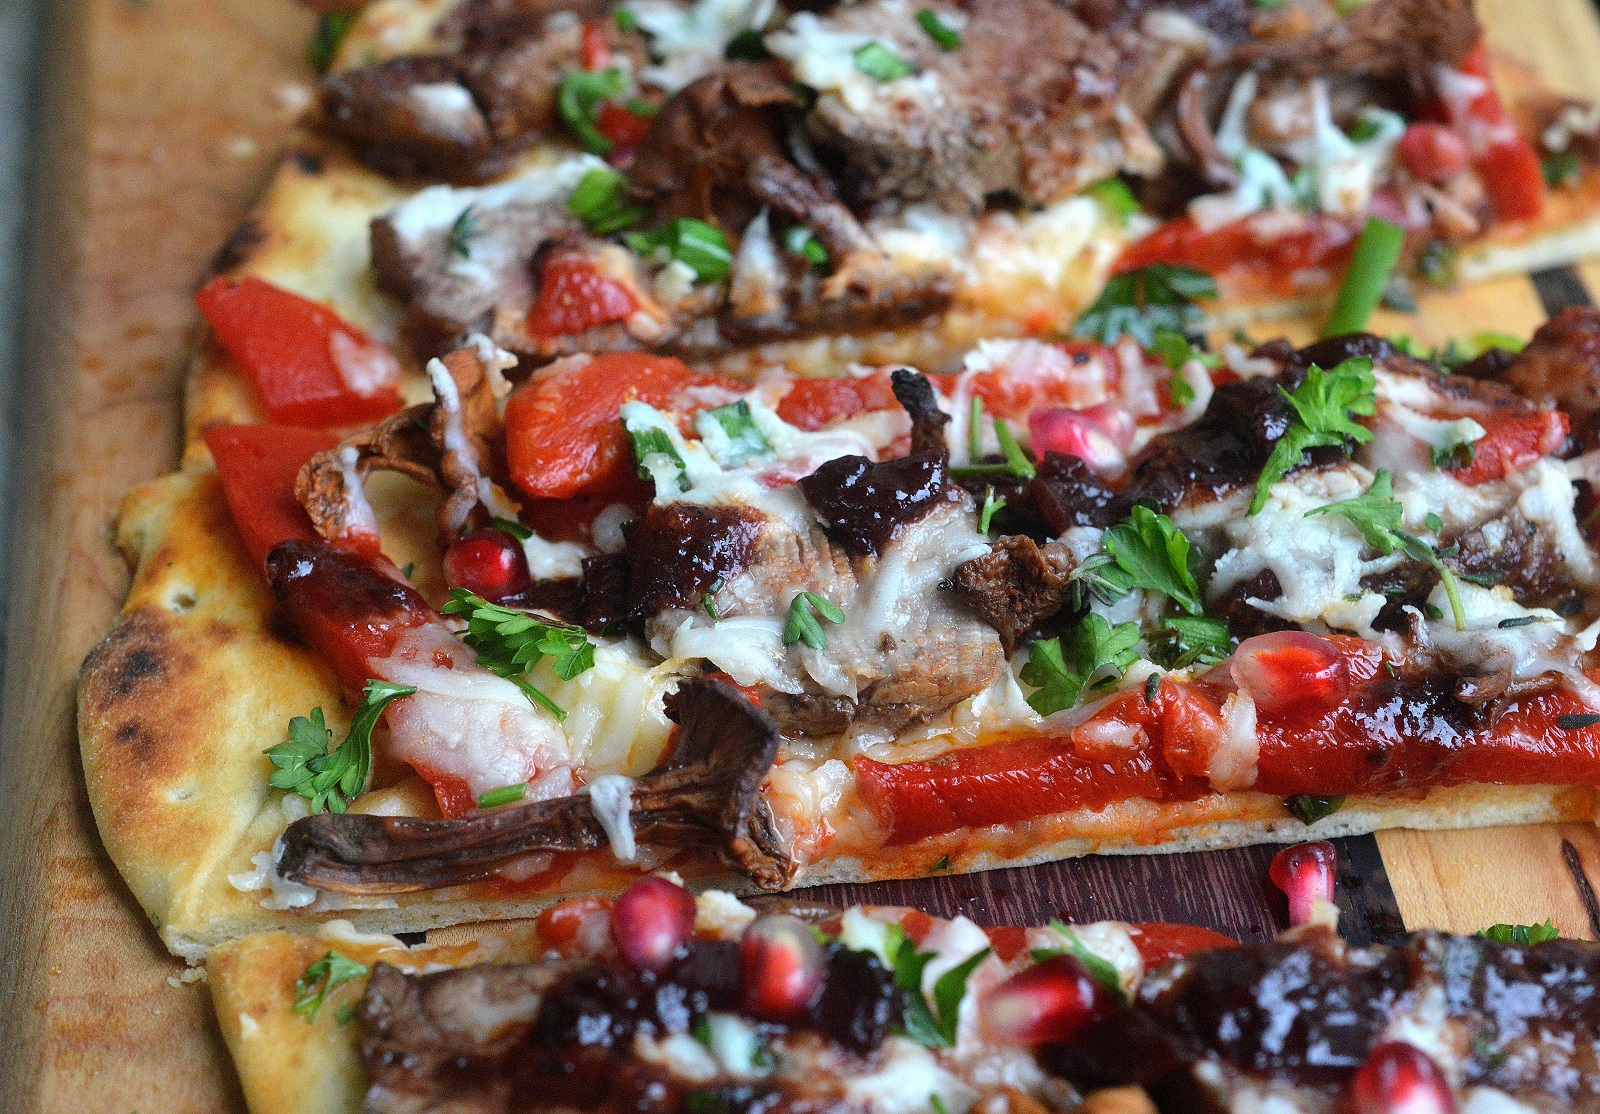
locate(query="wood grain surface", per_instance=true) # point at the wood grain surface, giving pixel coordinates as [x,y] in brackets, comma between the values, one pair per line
[161,118]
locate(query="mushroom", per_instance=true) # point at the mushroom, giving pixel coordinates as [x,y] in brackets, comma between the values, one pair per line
[705,795]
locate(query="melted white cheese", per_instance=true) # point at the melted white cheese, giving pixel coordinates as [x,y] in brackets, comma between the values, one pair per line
[611,797]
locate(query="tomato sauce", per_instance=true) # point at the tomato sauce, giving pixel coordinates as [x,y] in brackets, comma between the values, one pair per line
[1247,249]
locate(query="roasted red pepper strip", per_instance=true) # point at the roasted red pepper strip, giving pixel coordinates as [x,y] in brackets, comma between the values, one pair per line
[257,465]
[310,366]
[574,297]
[1159,941]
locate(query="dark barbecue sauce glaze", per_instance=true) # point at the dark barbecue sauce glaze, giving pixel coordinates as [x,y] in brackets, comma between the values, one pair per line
[679,552]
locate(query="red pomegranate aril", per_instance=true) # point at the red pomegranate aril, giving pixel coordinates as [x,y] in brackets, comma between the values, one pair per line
[1049,1002]
[1433,152]
[1291,673]
[1305,873]
[489,562]
[1099,435]
[781,968]
[1400,1078]
[650,922]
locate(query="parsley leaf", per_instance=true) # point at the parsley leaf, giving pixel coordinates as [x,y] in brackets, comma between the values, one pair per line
[464,230]
[1147,551]
[935,1026]
[511,526]
[1377,514]
[1174,350]
[579,94]
[1323,405]
[331,780]
[802,624]
[1521,933]
[880,62]
[1060,668]
[1308,809]
[321,979]
[511,642]
[1140,301]
[1115,198]
[1185,640]
[800,240]
[1100,969]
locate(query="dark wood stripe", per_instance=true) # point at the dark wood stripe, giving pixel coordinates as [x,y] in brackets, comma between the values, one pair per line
[1561,288]
[1368,911]
[1580,879]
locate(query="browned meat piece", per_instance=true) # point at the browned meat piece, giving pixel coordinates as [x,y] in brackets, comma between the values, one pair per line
[1030,105]
[1512,551]
[411,117]
[1017,585]
[451,444]
[1561,367]
[1294,1019]
[1065,493]
[475,21]
[1245,619]
[679,552]
[707,794]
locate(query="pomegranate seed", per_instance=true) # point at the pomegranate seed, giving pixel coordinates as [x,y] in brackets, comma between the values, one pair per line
[650,922]
[1305,873]
[1051,1001]
[781,967]
[489,562]
[1432,152]
[1291,673]
[1099,436]
[1399,1078]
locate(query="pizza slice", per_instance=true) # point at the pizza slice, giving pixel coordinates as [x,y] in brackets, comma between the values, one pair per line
[523,642]
[666,1002]
[871,182]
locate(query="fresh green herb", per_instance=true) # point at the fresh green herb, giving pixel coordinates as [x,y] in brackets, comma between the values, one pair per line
[408,569]
[1365,128]
[990,506]
[937,1105]
[1267,5]
[1371,263]
[1145,551]
[1100,969]
[1577,721]
[1175,351]
[1308,809]
[1522,933]
[940,32]
[511,526]
[975,429]
[1092,652]
[1439,263]
[1021,466]
[700,1029]
[1140,301]
[321,979]
[331,780]
[694,243]
[800,240]
[935,1026]
[1433,522]
[709,601]
[1493,1057]
[1456,455]
[1517,621]
[1324,405]
[510,643]
[1017,465]
[343,1015]
[1115,198]
[579,94]
[627,22]
[1377,514]
[747,46]
[1561,169]
[745,441]
[802,624]
[1184,640]
[651,441]
[1431,611]
[880,62]
[1152,685]
[505,795]
[464,230]
[325,39]
[706,1100]
[943,863]
[601,202]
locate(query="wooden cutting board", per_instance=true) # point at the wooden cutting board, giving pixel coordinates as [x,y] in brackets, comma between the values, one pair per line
[161,117]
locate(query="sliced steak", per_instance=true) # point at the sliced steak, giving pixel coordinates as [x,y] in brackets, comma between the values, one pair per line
[1561,367]
[1016,586]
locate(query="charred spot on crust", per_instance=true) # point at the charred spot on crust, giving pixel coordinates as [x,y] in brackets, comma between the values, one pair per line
[138,653]
[246,236]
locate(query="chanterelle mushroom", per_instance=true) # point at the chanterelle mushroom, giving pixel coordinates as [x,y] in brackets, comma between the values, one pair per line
[705,795]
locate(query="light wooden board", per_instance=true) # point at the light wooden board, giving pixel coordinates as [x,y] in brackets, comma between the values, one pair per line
[161,119]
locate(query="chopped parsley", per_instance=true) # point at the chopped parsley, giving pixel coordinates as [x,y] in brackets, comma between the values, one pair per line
[1174,350]
[802,624]
[325,39]
[600,201]
[1456,455]
[1100,969]
[1377,514]
[464,230]
[942,863]
[1140,301]
[321,979]
[626,21]
[1092,653]
[694,243]
[936,1104]
[1439,263]
[510,642]
[505,795]
[331,780]
[1185,640]
[1145,551]
[1017,465]
[579,94]
[1115,198]
[930,1026]
[1323,409]
[880,62]
[1521,933]
[1308,809]
[938,30]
